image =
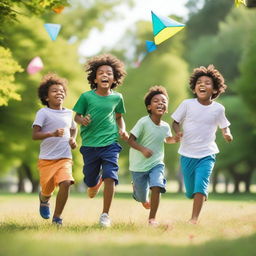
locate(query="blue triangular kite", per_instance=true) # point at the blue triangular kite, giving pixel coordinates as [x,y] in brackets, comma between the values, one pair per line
[53,30]
[150,46]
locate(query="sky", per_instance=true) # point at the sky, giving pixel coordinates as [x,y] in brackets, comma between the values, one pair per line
[115,30]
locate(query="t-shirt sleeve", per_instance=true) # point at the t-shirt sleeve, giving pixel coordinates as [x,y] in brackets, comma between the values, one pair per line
[168,131]
[39,119]
[137,129]
[179,114]
[222,120]
[120,106]
[81,105]
[73,124]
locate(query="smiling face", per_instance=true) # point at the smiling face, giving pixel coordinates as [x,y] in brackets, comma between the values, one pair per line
[104,77]
[56,95]
[204,89]
[158,105]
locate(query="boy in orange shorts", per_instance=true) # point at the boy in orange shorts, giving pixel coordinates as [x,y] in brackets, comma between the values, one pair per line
[54,125]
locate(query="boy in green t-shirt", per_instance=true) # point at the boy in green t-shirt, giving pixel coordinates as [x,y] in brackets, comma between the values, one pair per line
[99,112]
[148,137]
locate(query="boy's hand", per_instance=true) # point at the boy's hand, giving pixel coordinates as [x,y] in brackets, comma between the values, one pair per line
[86,120]
[178,136]
[147,152]
[124,135]
[58,132]
[72,143]
[228,137]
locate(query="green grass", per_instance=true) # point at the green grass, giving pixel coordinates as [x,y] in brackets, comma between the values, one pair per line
[227,227]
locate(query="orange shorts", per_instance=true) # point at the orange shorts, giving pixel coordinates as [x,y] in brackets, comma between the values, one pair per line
[53,172]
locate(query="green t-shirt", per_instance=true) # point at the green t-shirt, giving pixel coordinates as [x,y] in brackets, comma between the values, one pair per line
[103,130]
[151,136]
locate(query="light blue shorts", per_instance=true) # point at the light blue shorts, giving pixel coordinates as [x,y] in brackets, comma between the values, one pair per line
[196,173]
[143,181]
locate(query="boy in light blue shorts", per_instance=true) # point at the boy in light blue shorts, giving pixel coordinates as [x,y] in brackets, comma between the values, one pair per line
[199,118]
[148,137]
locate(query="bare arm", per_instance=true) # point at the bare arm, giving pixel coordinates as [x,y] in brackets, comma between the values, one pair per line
[227,134]
[121,127]
[72,140]
[134,144]
[177,129]
[37,133]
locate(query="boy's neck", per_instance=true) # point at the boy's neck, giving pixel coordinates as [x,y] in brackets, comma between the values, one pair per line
[55,107]
[205,102]
[156,119]
[103,92]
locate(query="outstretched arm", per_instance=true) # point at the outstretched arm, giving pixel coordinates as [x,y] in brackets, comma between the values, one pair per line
[227,134]
[37,133]
[134,144]
[121,127]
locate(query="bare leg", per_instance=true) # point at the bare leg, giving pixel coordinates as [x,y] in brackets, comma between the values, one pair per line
[154,201]
[62,197]
[109,188]
[197,206]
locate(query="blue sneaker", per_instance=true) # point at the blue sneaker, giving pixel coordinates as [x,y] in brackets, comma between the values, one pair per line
[57,221]
[44,209]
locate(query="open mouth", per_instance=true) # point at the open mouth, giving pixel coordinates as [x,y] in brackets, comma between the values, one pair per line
[202,90]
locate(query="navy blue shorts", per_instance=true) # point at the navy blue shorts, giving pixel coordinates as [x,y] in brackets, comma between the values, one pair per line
[97,159]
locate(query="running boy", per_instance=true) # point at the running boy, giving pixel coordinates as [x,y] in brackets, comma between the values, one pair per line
[148,137]
[200,117]
[57,130]
[99,112]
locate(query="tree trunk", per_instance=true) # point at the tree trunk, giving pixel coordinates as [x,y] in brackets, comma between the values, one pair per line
[34,182]
[21,179]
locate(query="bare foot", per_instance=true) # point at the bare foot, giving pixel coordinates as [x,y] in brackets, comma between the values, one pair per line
[193,221]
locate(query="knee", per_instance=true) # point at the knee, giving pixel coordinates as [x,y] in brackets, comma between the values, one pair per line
[65,184]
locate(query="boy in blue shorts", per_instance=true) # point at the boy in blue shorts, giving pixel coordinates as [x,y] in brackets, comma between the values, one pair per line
[199,118]
[99,112]
[147,152]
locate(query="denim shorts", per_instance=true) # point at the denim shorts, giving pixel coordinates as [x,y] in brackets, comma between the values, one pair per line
[196,173]
[143,181]
[100,161]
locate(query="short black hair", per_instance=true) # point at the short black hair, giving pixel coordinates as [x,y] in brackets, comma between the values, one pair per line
[154,90]
[47,81]
[214,74]
[105,59]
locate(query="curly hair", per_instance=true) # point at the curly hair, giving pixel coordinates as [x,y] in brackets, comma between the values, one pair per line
[210,71]
[105,59]
[154,90]
[47,81]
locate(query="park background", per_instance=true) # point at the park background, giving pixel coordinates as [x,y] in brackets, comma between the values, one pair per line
[215,33]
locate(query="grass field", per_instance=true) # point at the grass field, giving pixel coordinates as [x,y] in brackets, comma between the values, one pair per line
[227,227]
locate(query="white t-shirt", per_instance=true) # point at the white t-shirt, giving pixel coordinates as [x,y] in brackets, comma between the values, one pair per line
[151,136]
[199,123]
[50,120]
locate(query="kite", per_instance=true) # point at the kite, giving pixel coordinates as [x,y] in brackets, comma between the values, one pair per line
[164,28]
[35,65]
[58,9]
[150,46]
[53,30]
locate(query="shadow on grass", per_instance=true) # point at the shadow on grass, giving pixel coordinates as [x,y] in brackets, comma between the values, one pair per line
[20,244]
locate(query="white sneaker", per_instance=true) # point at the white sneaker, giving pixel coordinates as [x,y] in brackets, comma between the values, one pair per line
[104,220]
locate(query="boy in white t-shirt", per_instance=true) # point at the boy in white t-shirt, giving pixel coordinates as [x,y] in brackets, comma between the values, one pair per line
[54,125]
[199,118]
[148,137]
